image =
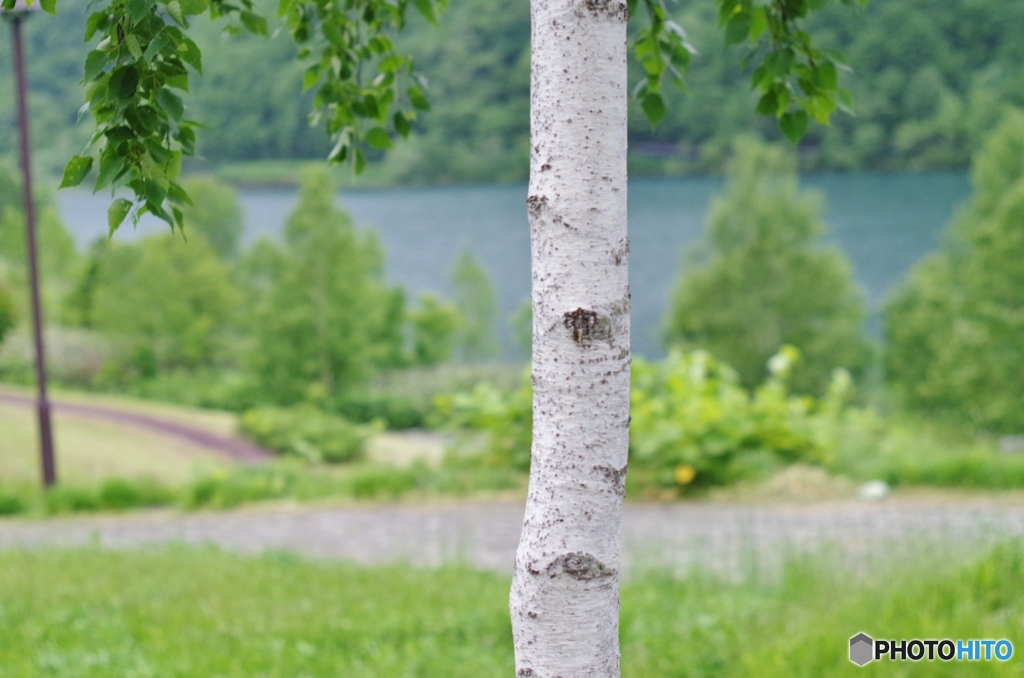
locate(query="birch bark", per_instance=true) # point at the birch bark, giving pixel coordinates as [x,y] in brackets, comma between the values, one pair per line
[564,600]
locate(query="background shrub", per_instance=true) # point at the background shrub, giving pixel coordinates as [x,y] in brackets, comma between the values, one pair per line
[692,421]
[395,410]
[306,432]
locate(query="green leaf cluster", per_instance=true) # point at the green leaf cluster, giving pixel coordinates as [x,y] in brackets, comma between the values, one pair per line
[798,82]
[924,101]
[765,280]
[135,77]
[662,48]
[364,86]
[136,74]
[955,329]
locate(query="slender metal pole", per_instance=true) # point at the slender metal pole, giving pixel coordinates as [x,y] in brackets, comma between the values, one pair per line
[43,405]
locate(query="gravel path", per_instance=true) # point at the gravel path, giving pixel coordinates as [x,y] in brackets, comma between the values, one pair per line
[727,538]
[235,448]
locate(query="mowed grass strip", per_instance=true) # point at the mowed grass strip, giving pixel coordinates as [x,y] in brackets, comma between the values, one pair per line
[213,421]
[199,612]
[91,451]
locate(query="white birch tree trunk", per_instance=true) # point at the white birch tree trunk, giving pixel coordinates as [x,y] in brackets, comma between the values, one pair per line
[565,592]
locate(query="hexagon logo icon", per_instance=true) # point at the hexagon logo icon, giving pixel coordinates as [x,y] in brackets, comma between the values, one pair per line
[861,649]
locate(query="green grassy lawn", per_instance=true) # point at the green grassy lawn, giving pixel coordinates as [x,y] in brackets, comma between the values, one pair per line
[90,451]
[911,452]
[197,612]
[219,423]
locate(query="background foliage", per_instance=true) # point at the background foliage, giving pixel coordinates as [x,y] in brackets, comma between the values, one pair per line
[324,320]
[764,280]
[692,422]
[922,101]
[955,330]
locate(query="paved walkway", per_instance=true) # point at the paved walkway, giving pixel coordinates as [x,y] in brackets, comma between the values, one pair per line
[727,538]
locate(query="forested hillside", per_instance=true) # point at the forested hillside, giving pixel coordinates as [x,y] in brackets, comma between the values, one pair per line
[928,79]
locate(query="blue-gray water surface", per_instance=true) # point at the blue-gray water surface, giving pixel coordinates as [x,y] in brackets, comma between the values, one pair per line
[883,222]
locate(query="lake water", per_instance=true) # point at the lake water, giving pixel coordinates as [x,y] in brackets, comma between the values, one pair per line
[883,222]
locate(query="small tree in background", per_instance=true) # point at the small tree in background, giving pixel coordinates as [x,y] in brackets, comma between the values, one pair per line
[955,329]
[768,282]
[434,325]
[325,320]
[521,324]
[171,301]
[475,300]
[56,247]
[214,214]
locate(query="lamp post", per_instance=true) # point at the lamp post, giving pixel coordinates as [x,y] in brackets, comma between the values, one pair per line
[16,17]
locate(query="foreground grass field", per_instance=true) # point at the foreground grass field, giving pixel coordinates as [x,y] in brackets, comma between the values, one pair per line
[188,612]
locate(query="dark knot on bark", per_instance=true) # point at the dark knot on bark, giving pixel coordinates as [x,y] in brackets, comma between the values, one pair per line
[611,9]
[580,566]
[535,203]
[586,326]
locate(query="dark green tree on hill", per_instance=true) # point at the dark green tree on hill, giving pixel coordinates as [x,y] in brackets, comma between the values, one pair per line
[325,320]
[955,329]
[766,280]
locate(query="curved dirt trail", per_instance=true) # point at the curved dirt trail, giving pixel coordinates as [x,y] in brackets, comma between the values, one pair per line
[237,449]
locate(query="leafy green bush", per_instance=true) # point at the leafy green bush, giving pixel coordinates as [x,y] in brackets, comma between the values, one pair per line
[397,410]
[692,421]
[114,494]
[227,489]
[325,320]
[119,494]
[506,417]
[11,503]
[306,432]
[70,499]
[434,325]
[220,389]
